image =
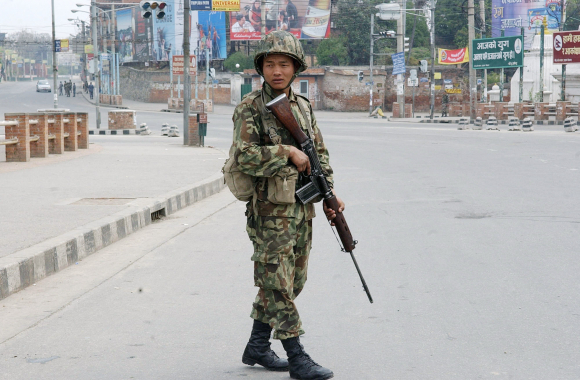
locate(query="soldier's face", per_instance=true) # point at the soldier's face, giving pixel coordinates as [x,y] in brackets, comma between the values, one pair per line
[278,70]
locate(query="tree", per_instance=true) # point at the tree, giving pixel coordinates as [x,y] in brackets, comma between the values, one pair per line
[332,51]
[353,24]
[240,58]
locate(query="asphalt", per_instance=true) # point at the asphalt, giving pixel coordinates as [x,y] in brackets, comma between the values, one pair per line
[58,210]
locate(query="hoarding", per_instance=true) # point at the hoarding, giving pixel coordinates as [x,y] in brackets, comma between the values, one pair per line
[513,15]
[164,33]
[567,47]
[208,32]
[495,53]
[453,57]
[125,34]
[215,5]
[304,19]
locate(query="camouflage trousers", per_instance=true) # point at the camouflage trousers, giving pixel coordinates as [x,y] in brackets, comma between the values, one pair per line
[281,250]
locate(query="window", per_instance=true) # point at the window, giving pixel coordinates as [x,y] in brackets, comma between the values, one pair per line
[304,88]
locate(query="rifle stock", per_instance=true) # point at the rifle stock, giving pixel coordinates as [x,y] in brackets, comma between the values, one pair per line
[280,108]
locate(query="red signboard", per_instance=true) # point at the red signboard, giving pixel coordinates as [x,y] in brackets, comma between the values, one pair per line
[567,47]
[453,57]
[177,66]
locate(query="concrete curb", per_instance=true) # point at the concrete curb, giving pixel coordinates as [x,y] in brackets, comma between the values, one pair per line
[114,132]
[23,268]
[499,122]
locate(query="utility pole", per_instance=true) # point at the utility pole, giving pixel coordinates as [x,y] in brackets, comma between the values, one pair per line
[472,80]
[113,62]
[433,59]
[371,61]
[96,61]
[186,77]
[54,69]
[482,30]
[542,64]
[563,89]
[401,48]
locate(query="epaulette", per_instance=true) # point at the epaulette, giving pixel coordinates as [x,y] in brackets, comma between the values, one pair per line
[249,98]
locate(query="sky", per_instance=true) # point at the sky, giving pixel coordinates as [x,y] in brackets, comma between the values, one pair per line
[36,15]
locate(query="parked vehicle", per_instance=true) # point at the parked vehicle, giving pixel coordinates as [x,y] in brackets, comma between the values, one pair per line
[43,86]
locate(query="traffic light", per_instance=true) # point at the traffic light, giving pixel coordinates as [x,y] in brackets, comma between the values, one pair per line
[161,5]
[388,34]
[360,76]
[148,7]
[406,44]
[423,66]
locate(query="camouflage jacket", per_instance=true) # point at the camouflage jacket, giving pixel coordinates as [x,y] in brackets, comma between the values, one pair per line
[259,157]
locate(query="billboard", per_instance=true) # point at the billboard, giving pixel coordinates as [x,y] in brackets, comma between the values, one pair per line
[512,15]
[208,33]
[125,34]
[496,53]
[304,20]
[164,33]
[567,47]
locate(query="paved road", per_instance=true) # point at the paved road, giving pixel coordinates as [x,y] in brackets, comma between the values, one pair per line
[468,242]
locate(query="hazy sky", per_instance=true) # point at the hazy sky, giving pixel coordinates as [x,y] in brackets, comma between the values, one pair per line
[36,15]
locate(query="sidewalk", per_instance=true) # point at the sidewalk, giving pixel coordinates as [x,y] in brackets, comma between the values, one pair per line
[58,210]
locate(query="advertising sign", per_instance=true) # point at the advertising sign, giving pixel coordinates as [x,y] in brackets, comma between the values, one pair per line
[304,19]
[215,5]
[164,33]
[398,63]
[208,34]
[512,15]
[567,47]
[495,53]
[125,34]
[453,57]
[177,65]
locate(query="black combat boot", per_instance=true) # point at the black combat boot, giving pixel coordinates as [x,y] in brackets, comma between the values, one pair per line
[258,349]
[301,365]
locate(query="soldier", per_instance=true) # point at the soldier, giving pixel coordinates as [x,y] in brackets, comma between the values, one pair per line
[444,104]
[279,227]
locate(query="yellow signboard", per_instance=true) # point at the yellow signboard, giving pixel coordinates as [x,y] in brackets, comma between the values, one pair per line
[88,49]
[453,90]
[225,5]
[437,76]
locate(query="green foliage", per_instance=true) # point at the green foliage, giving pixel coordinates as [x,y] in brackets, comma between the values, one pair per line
[461,39]
[332,51]
[419,53]
[353,24]
[451,22]
[243,60]
[492,77]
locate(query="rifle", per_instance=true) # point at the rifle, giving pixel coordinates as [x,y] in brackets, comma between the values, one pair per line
[316,183]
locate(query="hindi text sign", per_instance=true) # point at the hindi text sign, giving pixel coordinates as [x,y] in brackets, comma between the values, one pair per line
[497,53]
[178,65]
[567,47]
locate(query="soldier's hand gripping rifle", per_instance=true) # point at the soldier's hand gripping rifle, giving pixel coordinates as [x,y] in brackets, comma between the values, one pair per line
[316,183]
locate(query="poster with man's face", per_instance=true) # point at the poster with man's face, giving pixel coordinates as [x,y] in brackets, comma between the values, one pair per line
[295,16]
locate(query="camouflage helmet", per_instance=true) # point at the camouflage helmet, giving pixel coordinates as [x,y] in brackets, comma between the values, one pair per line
[280,42]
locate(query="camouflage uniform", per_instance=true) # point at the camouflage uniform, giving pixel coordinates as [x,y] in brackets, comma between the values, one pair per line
[281,234]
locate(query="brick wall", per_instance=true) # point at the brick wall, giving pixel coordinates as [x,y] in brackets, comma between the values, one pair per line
[122,119]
